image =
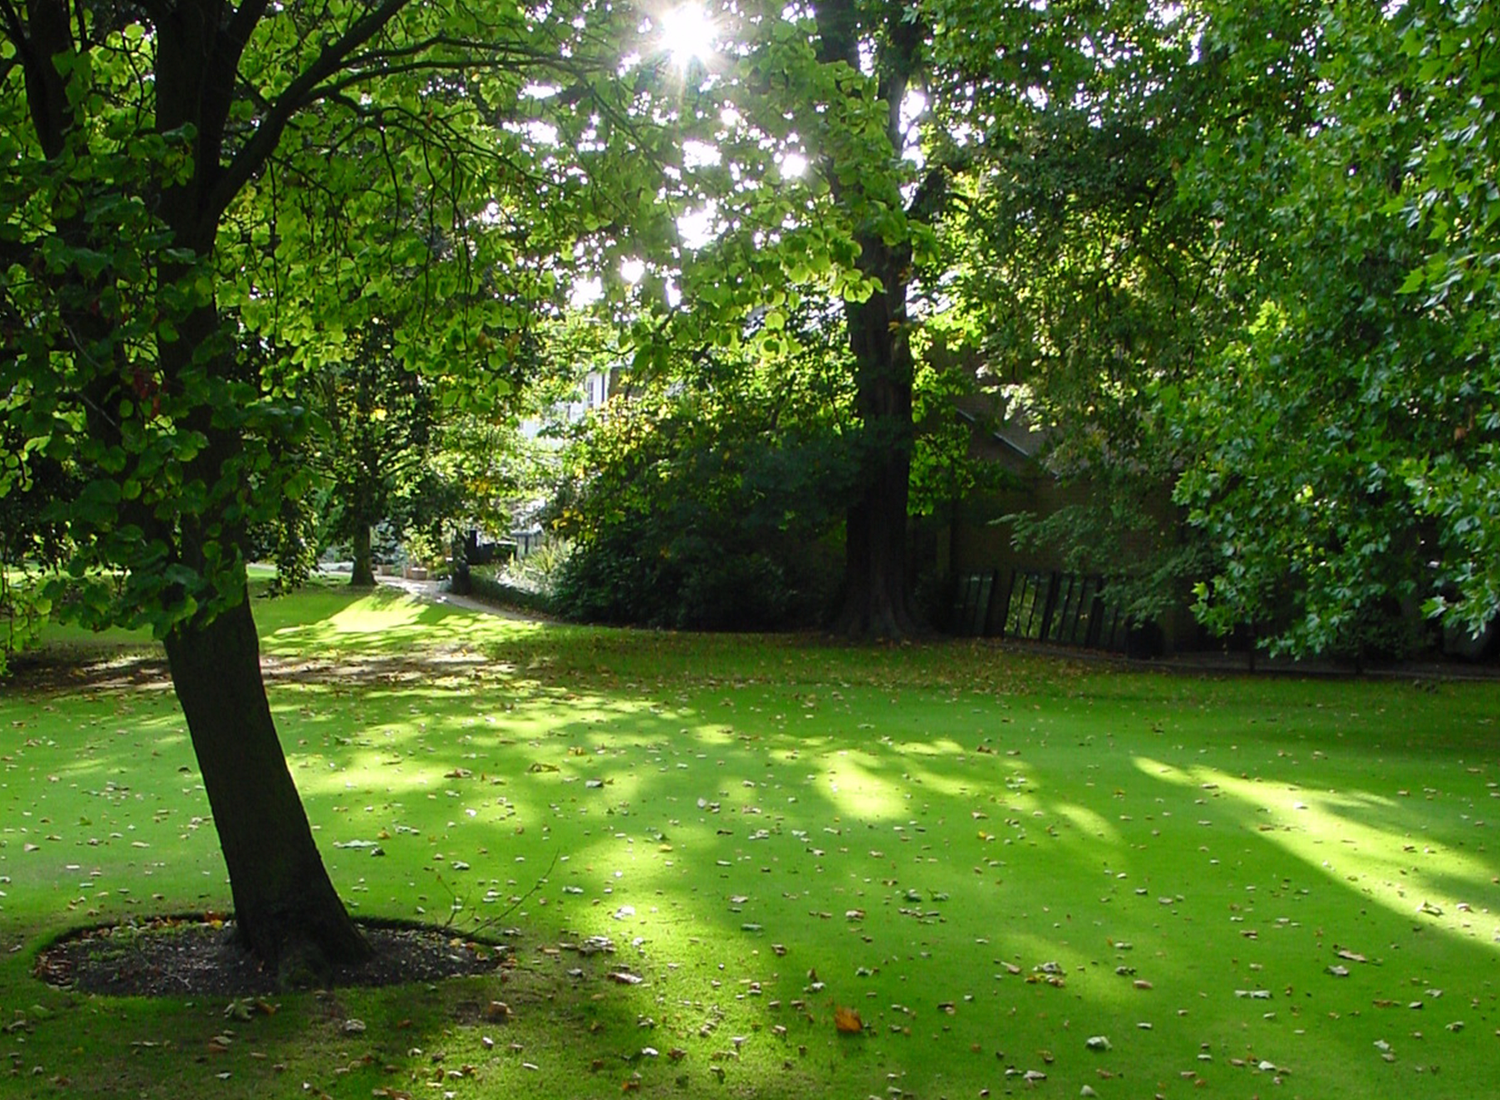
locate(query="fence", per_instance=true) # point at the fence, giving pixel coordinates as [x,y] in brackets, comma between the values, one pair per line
[1061,608]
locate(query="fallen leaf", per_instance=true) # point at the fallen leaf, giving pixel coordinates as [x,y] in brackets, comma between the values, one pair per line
[847,1021]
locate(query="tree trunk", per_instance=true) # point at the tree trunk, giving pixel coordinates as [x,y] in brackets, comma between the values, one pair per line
[286,910]
[363,575]
[876,600]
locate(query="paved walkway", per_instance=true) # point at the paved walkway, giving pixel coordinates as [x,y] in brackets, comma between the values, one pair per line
[435,592]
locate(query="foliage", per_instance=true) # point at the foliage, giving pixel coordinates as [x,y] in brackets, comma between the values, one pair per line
[1084,284]
[289,541]
[1125,535]
[1347,431]
[1450,55]
[23,610]
[377,449]
[538,571]
[507,460]
[493,583]
[1245,252]
[29,544]
[343,193]
[944,469]
[703,504]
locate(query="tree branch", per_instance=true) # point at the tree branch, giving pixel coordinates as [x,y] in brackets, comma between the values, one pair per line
[228,47]
[253,155]
[46,94]
[15,30]
[244,21]
[485,56]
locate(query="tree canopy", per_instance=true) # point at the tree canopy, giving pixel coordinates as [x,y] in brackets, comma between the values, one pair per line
[1344,430]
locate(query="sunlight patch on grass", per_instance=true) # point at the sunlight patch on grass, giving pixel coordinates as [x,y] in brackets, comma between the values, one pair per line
[379,622]
[1094,828]
[713,736]
[1409,875]
[934,771]
[374,615]
[856,789]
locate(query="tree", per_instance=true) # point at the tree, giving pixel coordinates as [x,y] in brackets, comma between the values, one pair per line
[1345,435]
[877,589]
[1450,54]
[379,448]
[148,151]
[857,149]
[791,155]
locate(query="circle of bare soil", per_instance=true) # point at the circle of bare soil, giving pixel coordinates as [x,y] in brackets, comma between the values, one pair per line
[198,956]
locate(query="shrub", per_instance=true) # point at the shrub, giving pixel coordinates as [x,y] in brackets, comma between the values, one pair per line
[712,506]
[487,583]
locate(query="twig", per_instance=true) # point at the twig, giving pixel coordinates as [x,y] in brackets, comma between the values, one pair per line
[482,925]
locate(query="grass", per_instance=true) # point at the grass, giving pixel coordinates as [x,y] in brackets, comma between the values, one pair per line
[993,858]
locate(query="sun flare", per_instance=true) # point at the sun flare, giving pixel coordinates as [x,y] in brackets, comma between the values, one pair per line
[688,34]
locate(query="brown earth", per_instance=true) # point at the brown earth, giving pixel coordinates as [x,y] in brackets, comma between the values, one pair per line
[198,956]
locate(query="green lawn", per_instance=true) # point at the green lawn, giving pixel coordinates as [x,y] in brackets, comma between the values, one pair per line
[994,859]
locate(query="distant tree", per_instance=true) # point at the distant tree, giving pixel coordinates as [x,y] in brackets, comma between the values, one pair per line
[379,449]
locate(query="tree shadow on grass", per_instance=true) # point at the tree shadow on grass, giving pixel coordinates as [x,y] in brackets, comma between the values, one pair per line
[986,876]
